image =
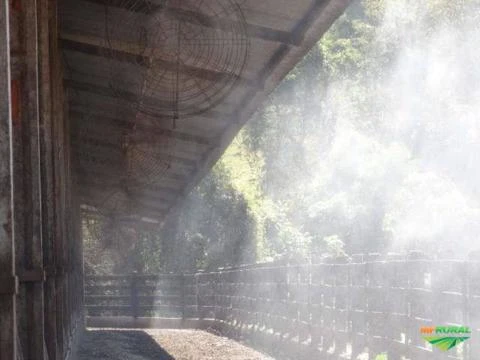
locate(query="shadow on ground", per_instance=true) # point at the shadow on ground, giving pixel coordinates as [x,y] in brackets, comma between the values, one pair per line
[120,344]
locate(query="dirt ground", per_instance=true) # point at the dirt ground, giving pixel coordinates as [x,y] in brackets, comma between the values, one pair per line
[109,344]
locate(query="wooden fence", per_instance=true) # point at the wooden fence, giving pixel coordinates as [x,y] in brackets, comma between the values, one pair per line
[134,295]
[339,310]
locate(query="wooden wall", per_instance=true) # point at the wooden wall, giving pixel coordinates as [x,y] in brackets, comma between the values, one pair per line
[41,254]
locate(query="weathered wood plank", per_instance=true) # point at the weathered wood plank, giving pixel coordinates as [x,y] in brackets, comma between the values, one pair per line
[148,188]
[135,99]
[102,148]
[160,277]
[33,251]
[204,125]
[199,19]
[58,266]
[8,328]
[96,46]
[128,308]
[116,124]
[47,179]
[102,298]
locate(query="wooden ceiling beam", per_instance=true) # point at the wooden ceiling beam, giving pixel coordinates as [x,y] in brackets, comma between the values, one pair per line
[222,23]
[127,96]
[141,205]
[125,52]
[227,25]
[107,160]
[154,192]
[118,171]
[106,145]
[159,205]
[146,222]
[204,128]
[91,104]
[146,211]
[115,176]
[167,184]
[124,124]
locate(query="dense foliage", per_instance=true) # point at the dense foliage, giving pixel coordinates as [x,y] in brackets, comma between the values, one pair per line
[368,145]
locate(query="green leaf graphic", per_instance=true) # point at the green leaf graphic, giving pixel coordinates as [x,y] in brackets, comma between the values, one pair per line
[445,342]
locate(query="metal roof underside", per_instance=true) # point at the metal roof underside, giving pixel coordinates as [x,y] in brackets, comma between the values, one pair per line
[148,120]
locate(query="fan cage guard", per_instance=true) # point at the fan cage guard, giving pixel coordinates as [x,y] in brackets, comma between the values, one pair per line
[167,60]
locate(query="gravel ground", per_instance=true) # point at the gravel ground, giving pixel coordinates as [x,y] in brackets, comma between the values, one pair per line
[108,344]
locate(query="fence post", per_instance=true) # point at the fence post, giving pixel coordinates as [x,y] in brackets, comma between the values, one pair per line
[183,296]
[416,279]
[465,274]
[197,295]
[215,290]
[473,286]
[134,294]
[310,310]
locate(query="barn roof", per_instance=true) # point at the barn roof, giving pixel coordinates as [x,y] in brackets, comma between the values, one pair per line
[158,89]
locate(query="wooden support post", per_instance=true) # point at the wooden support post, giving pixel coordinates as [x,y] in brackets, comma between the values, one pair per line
[183,291]
[33,250]
[309,304]
[464,275]
[78,258]
[473,286]
[369,323]
[8,282]
[58,265]
[134,294]
[26,175]
[47,181]
[197,296]
[214,280]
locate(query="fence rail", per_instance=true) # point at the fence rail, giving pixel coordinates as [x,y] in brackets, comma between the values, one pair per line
[340,310]
[134,295]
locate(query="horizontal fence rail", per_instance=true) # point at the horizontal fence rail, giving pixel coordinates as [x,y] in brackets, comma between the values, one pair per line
[335,310]
[134,295]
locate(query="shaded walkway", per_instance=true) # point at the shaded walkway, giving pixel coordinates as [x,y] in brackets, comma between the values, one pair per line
[106,344]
